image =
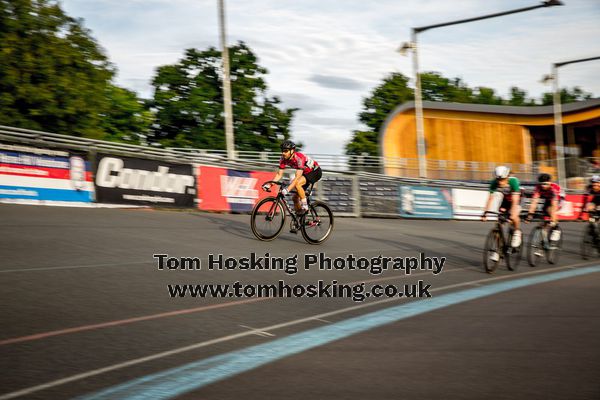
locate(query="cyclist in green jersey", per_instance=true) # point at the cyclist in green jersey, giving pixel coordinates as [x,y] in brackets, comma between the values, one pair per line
[510,188]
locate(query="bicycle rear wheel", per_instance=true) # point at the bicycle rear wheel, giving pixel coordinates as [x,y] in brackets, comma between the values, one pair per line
[492,248]
[554,247]
[535,250]
[317,223]
[268,217]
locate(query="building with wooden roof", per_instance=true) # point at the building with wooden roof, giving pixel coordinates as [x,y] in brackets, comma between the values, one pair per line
[478,136]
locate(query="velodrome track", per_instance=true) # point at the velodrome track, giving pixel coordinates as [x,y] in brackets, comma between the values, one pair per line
[85,313]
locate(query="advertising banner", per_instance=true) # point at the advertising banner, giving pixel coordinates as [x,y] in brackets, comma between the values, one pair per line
[571,207]
[222,189]
[125,180]
[470,203]
[425,202]
[30,173]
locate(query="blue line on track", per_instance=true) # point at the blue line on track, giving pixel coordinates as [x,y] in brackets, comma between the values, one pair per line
[176,381]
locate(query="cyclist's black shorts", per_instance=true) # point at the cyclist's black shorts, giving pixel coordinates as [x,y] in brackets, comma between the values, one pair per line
[312,177]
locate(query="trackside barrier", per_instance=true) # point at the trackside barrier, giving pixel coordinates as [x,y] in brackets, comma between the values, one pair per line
[128,180]
[39,167]
[340,193]
[224,189]
[39,175]
[425,202]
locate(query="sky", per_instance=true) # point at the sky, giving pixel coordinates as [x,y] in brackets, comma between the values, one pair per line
[326,56]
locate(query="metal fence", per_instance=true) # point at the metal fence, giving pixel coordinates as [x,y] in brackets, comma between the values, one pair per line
[382,167]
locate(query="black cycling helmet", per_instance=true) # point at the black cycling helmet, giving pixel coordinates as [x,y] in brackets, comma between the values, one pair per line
[544,178]
[288,145]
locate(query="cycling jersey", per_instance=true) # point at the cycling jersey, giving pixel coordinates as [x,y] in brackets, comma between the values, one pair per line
[591,196]
[553,192]
[513,187]
[299,161]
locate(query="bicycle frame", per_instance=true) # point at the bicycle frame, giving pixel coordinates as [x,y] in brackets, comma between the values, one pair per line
[281,199]
[501,223]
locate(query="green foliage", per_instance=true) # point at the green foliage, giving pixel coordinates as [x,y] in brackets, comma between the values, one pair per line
[434,87]
[54,76]
[127,118]
[485,95]
[566,96]
[188,102]
[383,100]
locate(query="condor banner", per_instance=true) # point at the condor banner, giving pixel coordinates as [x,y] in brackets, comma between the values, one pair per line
[221,189]
[30,173]
[124,180]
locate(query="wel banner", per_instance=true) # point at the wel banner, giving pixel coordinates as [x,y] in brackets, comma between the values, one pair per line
[222,189]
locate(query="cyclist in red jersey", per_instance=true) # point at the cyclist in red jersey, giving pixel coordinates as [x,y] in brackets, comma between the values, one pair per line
[553,196]
[592,196]
[307,172]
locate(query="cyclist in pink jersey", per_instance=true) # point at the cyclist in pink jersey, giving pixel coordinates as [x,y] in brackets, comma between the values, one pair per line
[307,172]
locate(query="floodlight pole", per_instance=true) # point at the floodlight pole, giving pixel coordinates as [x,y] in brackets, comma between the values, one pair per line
[228,112]
[421,151]
[558,130]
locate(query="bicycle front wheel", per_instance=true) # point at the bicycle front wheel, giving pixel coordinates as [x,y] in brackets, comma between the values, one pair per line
[536,247]
[317,223]
[268,217]
[554,246]
[491,251]
[513,255]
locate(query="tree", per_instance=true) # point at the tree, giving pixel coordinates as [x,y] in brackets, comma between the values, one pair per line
[127,118]
[54,76]
[566,96]
[384,99]
[435,87]
[485,95]
[518,97]
[189,104]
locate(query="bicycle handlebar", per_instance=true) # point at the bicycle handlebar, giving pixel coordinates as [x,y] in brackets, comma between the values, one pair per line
[280,183]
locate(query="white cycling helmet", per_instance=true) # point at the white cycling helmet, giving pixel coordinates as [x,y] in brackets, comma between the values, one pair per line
[595,179]
[501,172]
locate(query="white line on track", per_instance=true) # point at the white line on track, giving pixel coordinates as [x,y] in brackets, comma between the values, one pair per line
[245,333]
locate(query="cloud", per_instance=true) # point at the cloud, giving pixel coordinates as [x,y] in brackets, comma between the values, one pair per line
[336,82]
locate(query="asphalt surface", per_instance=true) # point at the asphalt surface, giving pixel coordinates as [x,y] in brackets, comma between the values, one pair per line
[85,308]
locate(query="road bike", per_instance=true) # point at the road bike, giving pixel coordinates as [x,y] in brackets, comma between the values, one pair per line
[497,245]
[540,243]
[269,215]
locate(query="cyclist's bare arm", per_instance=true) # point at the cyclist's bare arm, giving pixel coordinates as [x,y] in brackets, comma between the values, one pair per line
[487,206]
[533,205]
[278,175]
